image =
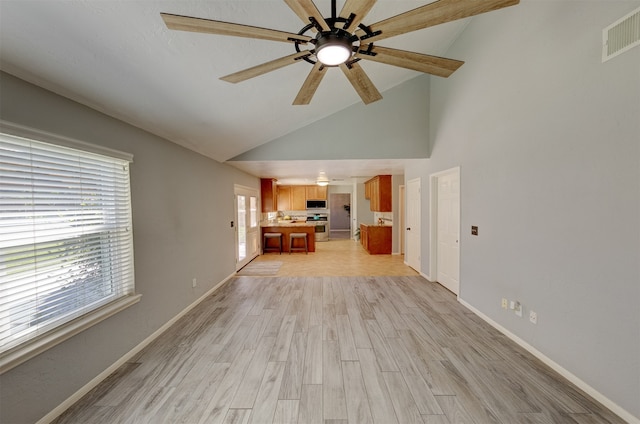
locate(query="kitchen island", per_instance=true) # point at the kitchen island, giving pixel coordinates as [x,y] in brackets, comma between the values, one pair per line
[287,228]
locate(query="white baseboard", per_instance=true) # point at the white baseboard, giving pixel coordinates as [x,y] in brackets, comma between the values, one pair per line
[55,413]
[608,403]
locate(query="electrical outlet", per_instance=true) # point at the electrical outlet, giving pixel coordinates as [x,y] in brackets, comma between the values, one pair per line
[505,303]
[194,283]
[533,317]
[518,309]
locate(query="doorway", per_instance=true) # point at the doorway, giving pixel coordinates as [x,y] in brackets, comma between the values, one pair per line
[247,225]
[339,216]
[444,260]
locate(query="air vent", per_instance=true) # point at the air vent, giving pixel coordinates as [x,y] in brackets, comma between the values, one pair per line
[621,35]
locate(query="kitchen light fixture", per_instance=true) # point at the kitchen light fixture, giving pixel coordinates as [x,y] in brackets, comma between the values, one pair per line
[322,180]
[333,47]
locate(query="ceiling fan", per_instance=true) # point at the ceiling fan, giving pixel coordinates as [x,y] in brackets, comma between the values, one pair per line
[342,40]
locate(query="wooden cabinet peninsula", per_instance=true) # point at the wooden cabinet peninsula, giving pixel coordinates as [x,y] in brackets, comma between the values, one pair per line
[292,228]
[376,239]
[378,191]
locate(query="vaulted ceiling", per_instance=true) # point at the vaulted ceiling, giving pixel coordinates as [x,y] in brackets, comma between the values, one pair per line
[119,58]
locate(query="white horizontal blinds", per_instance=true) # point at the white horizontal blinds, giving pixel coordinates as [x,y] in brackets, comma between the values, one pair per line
[66,244]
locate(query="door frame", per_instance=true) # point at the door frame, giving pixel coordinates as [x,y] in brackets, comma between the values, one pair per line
[249,192]
[418,203]
[433,223]
[401,216]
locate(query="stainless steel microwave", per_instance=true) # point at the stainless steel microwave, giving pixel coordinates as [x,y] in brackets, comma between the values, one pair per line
[316,204]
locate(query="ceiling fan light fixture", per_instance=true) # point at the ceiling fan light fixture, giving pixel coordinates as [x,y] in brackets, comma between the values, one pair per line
[333,48]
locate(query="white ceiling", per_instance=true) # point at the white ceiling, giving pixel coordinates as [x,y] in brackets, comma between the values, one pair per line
[118,57]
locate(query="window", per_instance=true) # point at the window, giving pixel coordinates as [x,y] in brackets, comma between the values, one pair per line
[66,243]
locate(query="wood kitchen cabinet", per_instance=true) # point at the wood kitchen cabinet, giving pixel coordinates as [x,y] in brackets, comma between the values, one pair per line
[379,190]
[298,198]
[268,194]
[292,198]
[376,239]
[316,192]
[284,198]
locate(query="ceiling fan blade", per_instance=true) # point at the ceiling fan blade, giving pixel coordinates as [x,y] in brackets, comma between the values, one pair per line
[433,65]
[265,67]
[433,14]
[305,9]
[361,82]
[186,23]
[311,84]
[359,8]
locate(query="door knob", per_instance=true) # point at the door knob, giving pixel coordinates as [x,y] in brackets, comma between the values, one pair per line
[408,228]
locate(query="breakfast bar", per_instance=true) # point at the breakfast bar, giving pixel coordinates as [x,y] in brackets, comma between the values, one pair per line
[287,228]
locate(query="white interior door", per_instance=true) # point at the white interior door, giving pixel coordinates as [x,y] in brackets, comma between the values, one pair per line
[448,230]
[247,228]
[412,229]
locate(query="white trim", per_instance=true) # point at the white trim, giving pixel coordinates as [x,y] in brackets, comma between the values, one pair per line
[608,403]
[427,277]
[22,131]
[56,412]
[418,203]
[22,353]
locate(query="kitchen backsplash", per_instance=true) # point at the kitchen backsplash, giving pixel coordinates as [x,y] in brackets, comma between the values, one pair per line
[384,218]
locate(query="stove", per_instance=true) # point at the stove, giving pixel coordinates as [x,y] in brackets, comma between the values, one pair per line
[322,225]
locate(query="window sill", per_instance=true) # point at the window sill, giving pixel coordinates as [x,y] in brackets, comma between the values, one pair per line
[32,348]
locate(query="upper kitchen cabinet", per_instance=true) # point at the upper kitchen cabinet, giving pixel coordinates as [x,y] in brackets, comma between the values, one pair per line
[316,192]
[379,190]
[298,198]
[284,198]
[291,198]
[268,194]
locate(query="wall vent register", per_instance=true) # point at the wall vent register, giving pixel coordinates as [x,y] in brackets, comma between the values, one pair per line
[622,35]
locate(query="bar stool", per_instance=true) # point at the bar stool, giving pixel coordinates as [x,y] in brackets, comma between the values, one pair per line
[267,237]
[294,236]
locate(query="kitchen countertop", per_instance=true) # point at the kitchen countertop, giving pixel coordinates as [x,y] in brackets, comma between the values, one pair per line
[287,224]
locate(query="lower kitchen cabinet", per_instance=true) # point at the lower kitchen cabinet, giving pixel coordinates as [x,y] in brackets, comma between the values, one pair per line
[376,239]
[287,230]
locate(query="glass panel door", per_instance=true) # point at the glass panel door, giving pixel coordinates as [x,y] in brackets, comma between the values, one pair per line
[248,225]
[241,205]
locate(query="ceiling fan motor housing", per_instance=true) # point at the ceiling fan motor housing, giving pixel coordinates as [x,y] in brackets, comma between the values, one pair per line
[335,40]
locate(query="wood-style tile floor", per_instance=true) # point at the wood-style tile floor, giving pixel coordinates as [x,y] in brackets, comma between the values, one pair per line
[338,258]
[334,350]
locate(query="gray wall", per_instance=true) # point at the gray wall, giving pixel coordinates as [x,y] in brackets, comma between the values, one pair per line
[393,128]
[548,141]
[182,206]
